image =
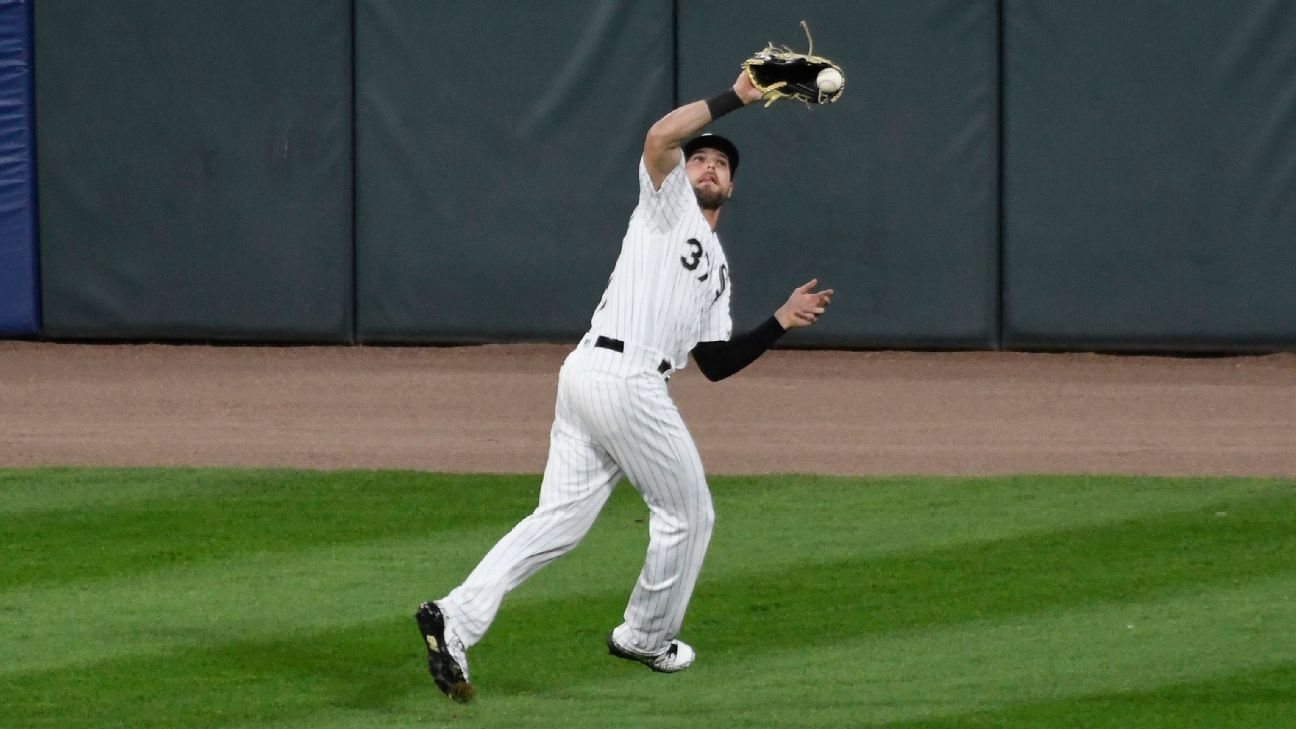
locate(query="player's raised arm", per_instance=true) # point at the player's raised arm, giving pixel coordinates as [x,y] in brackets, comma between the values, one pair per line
[662,145]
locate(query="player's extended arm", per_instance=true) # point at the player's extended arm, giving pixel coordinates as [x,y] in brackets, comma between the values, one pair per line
[662,145]
[718,360]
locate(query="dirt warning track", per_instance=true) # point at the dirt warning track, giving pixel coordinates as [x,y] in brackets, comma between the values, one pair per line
[488,409]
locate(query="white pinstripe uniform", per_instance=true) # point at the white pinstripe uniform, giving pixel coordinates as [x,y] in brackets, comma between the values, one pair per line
[614,416]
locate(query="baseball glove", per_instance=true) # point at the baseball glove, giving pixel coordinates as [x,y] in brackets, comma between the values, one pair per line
[782,73]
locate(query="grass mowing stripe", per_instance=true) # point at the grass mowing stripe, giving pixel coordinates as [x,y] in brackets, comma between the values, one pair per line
[832,517]
[318,631]
[216,514]
[90,489]
[267,594]
[819,602]
[1089,650]
[1039,572]
[362,666]
[1199,633]
[373,668]
[1243,700]
[276,592]
[24,490]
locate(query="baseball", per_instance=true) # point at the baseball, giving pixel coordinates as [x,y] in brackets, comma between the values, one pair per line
[829,80]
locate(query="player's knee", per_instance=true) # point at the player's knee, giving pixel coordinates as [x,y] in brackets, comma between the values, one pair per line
[685,524]
[704,520]
[563,527]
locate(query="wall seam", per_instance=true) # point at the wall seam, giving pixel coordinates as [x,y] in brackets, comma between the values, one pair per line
[355,182]
[1000,231]
[38,291]
[675,58]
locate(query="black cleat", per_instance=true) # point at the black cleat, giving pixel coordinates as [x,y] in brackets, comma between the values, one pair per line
[447,659]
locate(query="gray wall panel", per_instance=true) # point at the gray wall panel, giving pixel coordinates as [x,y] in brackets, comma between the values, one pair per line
[1150,188]
[889,195]
[498,146]
[195,176]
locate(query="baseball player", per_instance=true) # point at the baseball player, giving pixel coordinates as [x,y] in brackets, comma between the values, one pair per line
[668,297]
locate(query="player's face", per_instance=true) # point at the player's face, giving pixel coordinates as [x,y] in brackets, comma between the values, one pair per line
[708,172]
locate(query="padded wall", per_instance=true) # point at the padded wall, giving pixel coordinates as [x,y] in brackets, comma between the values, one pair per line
[1150,175]
[19,312]
[498,145]
[195,169]
[889,195]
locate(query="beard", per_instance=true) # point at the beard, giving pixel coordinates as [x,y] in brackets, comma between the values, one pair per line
[710,199]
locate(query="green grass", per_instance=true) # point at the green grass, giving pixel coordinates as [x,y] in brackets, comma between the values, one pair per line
[209,598]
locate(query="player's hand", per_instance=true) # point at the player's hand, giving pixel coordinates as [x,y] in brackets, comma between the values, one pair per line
[745,90]
[804,306]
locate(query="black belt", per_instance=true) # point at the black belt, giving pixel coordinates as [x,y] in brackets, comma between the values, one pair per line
[616,345]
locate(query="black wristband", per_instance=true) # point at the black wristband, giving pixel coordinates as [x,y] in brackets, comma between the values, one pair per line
[723,103]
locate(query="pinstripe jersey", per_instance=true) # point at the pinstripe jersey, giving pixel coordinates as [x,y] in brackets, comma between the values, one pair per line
[670,287]
[668,291]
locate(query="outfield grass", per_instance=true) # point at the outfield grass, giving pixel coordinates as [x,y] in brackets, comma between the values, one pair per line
[208,598]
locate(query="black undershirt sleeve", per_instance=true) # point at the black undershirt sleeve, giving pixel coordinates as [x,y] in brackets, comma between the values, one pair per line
[718,360]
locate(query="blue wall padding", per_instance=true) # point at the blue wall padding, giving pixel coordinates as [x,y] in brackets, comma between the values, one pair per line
[18,310]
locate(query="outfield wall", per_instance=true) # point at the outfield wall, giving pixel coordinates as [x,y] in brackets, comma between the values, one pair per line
[497,158]
[890,195]
[195,169]
[1150,175]
[999,173]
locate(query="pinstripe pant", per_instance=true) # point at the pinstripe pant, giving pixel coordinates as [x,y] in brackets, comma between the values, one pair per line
[614,416]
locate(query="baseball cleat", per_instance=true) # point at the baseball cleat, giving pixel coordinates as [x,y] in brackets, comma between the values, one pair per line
[678,656]
[447,658]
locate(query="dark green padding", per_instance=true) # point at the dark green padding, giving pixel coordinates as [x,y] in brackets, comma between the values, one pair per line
[498,144]
[889,195]
[195,169]
[1150,175]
